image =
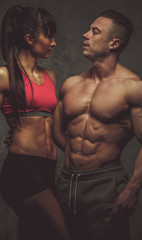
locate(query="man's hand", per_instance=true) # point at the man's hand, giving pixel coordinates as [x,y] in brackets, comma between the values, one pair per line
[125,201]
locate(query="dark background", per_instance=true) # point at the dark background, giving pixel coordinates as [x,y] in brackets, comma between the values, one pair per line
[73,18]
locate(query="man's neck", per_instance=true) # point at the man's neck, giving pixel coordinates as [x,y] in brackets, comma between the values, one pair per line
[105,68]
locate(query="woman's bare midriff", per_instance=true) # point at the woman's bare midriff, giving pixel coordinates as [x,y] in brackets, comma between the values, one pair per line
[33,136]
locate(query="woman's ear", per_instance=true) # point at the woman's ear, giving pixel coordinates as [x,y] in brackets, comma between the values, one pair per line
[29,39]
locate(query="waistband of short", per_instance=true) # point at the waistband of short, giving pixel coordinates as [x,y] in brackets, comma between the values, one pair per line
[15,156]
[112,170]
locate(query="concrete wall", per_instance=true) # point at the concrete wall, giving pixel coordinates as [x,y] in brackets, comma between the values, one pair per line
[73,19]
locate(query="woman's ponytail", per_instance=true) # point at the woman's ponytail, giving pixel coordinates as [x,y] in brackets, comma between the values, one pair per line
[8,49]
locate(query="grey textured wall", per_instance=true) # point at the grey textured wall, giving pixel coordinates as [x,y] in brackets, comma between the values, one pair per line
[73,19]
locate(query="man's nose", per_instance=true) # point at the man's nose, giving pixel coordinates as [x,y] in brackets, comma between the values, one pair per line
[86,35]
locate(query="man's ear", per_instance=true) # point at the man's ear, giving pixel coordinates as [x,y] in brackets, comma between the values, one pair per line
[114,44]
[29,39]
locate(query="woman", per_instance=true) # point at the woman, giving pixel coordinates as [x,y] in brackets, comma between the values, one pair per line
[28,99]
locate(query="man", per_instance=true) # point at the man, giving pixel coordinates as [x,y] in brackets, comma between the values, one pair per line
[98,113]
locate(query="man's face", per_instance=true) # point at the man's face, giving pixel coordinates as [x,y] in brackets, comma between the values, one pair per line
[97,40]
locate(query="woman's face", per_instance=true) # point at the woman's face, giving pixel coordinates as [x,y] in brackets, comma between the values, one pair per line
[42,47]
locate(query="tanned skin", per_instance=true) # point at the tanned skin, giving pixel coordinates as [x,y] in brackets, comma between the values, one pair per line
[100,111]
[33,136]
[28,138]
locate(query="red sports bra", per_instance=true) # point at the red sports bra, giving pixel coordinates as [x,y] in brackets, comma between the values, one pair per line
[42,102]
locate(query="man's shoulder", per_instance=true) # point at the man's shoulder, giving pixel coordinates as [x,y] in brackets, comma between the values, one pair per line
[133,90]
[127,74]
[131,78]
[70,83]
[75,79]
[128,79]
[131,81]
[71,80]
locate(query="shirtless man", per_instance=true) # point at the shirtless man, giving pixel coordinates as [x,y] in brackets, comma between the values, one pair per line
[99,112]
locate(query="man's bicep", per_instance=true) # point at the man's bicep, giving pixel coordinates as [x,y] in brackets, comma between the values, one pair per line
[59,134]
[58,119]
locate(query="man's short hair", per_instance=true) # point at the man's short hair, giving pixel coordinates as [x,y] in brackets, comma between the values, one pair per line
[122,29]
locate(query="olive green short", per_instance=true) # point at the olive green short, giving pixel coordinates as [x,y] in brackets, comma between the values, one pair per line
[86,200]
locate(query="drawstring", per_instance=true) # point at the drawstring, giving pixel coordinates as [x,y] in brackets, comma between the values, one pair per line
[70,190]
[75,194]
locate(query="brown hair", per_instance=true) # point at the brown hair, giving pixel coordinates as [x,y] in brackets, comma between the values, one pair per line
[17,22]
[122,29]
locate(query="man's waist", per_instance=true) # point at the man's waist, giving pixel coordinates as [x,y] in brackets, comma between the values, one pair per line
[109,170]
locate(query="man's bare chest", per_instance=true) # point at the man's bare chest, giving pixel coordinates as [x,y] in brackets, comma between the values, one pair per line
[103,101]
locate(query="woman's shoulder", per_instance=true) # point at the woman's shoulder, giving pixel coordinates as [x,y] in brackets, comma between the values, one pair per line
[51,75]
[4,78]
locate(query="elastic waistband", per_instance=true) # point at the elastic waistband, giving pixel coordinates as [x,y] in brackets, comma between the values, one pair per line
[91,174]
[28,114]
[15,156]
[38,113]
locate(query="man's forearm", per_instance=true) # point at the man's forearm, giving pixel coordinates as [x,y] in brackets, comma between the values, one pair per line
[128,197]
[60,140]
[135,182]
